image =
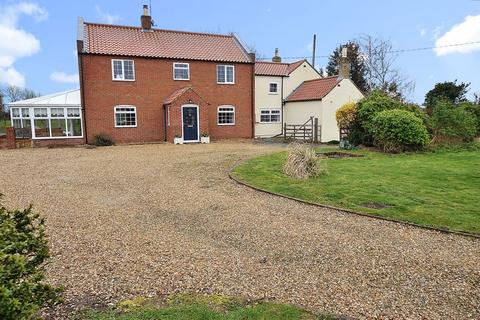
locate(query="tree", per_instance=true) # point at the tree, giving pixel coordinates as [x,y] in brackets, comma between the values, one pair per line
[14,93]
[357,66]
[23,252]
[449,91]
[380,70]
[476,98]
[449,122]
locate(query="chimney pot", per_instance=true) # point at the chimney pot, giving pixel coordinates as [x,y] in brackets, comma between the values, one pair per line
[146,19]
[276,58]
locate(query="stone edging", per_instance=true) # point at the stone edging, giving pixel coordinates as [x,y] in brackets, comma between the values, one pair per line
[458,233]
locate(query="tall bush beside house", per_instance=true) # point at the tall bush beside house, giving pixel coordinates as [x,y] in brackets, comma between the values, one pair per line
[23,252]
[398,131]
[367,109]
[452,123]
[346,115]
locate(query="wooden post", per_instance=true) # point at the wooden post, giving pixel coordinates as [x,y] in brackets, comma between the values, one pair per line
[315,133]
[284,131]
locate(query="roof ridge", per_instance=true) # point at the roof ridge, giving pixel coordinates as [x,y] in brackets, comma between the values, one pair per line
[160,30]
[319,79]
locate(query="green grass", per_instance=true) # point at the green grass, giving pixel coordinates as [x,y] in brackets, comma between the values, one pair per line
[3,125]
[440,189]
[198,307]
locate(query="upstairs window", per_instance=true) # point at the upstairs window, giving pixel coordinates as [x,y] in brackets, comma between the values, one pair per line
[273,88]
[225,74]
[270,116]
[226,116]
[125,117]
[123,70]
[181,71]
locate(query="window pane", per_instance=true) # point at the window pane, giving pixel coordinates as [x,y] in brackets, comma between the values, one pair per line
[74,127]
[57,113]
[273,87]
[25,113]
[58,128]
[264,118]
[17,123]
[275,118]
[125,119]
[226,115]
[221,74]
[117,69]
[230,74]
[40,112]
[73,112]
[128,69]
[42,128]
[15,112]
[181,73]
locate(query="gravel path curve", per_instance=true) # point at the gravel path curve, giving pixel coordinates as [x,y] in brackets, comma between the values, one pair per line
[155,219]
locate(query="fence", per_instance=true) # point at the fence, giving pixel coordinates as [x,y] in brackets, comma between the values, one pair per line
[308,132]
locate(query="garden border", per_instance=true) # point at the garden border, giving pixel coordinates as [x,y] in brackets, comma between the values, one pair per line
[411,224]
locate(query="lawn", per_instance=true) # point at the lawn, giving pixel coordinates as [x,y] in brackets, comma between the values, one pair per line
[196,307]
[3,125]
[438,189]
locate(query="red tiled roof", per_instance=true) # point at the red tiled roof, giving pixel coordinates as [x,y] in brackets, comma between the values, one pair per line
[132,41]
[313,89]
[275,68]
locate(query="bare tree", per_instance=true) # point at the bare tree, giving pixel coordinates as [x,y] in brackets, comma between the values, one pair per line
[381,71]
[476,98]
[14,93]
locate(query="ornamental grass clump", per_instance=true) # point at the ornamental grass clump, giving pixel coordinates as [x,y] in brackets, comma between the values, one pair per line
[303,162]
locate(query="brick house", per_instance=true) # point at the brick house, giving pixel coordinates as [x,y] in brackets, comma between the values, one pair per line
[140,84]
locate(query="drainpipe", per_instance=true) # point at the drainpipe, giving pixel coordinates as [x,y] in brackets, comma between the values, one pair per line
[282,109]
[165,122]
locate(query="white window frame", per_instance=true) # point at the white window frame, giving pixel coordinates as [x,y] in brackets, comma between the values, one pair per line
[270,116]
[176,67]
[123,70]
[49,118]
[270,88]
[233,112]
[225,66]
[124,112]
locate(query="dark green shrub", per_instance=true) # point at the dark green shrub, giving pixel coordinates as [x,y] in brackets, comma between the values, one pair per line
[333,142]
[399,130]
[23,252]
[103,140]
[475,110]
[451,123]
[367,109]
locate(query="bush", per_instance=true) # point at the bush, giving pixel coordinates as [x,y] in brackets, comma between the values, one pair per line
[399,130]
[474,109]
[368,108]
[303,162]
[451,123]
[23,251]
[346,115]
[103,140]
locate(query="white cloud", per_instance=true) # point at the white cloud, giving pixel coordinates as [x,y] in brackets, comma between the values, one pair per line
[423,32]
[107,17]
[467,31]
[16,43]
[62,77]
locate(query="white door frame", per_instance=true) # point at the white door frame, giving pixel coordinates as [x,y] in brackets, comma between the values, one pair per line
[198,123]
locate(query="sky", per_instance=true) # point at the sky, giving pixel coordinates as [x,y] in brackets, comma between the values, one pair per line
[38,37]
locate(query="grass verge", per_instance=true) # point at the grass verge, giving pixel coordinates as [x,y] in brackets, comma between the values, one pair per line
[438,189]
[200,307]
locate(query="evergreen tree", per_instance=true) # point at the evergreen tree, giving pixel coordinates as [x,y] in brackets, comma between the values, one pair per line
[357,67]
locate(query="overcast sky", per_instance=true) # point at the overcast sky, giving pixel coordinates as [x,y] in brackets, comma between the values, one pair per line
[37,38]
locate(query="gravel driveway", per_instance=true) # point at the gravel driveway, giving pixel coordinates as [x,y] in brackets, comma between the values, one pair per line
[154,219]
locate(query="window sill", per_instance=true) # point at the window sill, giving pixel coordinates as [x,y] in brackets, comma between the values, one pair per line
[125,127]
[122,80]
[226,83]
[181,79]
[225,124]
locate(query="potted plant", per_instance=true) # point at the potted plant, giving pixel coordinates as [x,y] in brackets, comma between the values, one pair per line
[178,139]
[205,138]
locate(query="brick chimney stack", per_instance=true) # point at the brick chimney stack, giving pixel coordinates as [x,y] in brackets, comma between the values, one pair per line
[344,70]
[146,19]
[276,58]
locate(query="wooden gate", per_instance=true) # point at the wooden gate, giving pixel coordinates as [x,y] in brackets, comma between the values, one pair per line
[307,132]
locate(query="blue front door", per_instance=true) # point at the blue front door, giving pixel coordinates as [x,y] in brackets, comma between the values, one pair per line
[190,123]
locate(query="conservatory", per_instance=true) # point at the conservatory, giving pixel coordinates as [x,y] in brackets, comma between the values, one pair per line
[55,116]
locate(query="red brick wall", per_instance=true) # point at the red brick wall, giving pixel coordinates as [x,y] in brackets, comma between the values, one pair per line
[57,142]
[153,84]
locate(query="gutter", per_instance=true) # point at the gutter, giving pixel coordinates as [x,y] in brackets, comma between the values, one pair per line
[80,44]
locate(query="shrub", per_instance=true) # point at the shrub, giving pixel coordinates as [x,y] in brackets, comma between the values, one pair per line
[346,115]
[474,109]
[303,162]
[399,130]
[367,109]
[23,251]
[451,123]
[103,140]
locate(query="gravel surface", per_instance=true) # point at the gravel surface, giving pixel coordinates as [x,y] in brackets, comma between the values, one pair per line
[155,219]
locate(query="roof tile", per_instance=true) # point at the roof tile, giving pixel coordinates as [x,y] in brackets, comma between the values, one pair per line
[276,69]
[133,41]
[314,89]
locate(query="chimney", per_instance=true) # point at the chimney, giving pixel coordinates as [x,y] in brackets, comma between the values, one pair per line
[276,58]
[146,19]
[344,70]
